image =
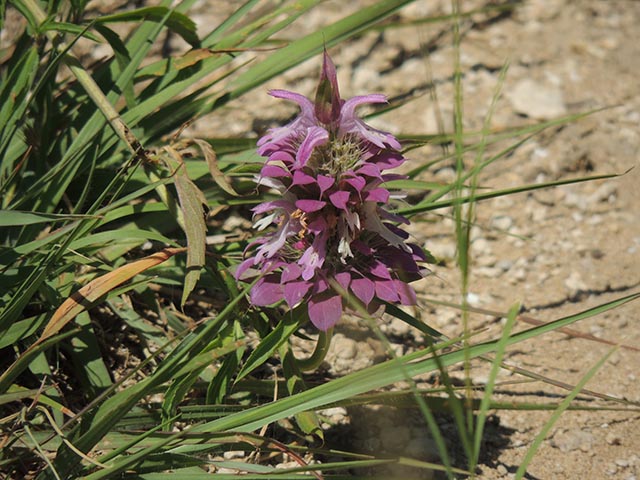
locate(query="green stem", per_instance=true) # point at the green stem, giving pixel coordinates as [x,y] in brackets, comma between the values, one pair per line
[318,355]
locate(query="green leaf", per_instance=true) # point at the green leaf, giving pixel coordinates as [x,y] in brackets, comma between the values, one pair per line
[66,27]
[115,407]
[412,185]
[308,421]
[427,206]
[122,57]
[87,360]
[178,22]
[21,329]
[120,236]
[14,92]
[269,344]
[313,44]
[16,218]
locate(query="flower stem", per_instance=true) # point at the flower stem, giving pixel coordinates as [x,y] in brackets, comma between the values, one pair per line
[320,352]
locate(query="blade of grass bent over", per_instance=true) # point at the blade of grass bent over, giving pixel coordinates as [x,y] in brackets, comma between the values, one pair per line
[485,404]
[381,375]
[533,448]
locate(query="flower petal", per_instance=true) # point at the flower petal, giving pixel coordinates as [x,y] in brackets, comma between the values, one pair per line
[266,291]
[325,310]
[358,183]
[351,124]
[377,195]
[315,136]
[301,178]
[385,290]
[314,256]
[324,182]
[305,104]
[327,101]
[364,289]
[370,170]
[243,267]
[380,270]
[294,292]
[340,199]
[344,279]
[310,206]
[388,160]
[281,156]
[291,272]
[268,206]
[273,171]
[405,292]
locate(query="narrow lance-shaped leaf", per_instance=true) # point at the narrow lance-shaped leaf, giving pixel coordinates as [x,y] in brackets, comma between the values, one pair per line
[178,22]
[192,222]
[15,218]
[212,162]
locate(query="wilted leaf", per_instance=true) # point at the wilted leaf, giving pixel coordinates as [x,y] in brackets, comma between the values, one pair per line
[87,295]
[193,222]
[212,161]
[161,67]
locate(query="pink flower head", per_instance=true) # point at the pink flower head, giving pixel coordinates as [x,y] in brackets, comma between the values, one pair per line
[332,228]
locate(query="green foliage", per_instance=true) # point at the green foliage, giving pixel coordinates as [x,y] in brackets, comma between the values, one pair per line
[103,220]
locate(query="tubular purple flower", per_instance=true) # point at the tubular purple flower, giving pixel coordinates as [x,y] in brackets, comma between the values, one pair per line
[333,228]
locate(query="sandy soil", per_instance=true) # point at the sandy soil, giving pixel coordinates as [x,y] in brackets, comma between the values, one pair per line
[556,251]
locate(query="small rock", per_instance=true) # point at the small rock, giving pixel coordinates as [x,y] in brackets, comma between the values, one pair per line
[489,272]
[335,415]
[486,260]
[233,454]
[442,251]
[445,317]
[575,284]
[345,348]
[365,79]
[502,223]
[572,199]
[520,274]
[473,299]
[605,193]
[537,100]
[223,470]
[573,440]
[398,327]
[504,265]
[611,469]
[481,246]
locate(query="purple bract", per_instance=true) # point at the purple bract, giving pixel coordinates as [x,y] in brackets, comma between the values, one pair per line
[333,236]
